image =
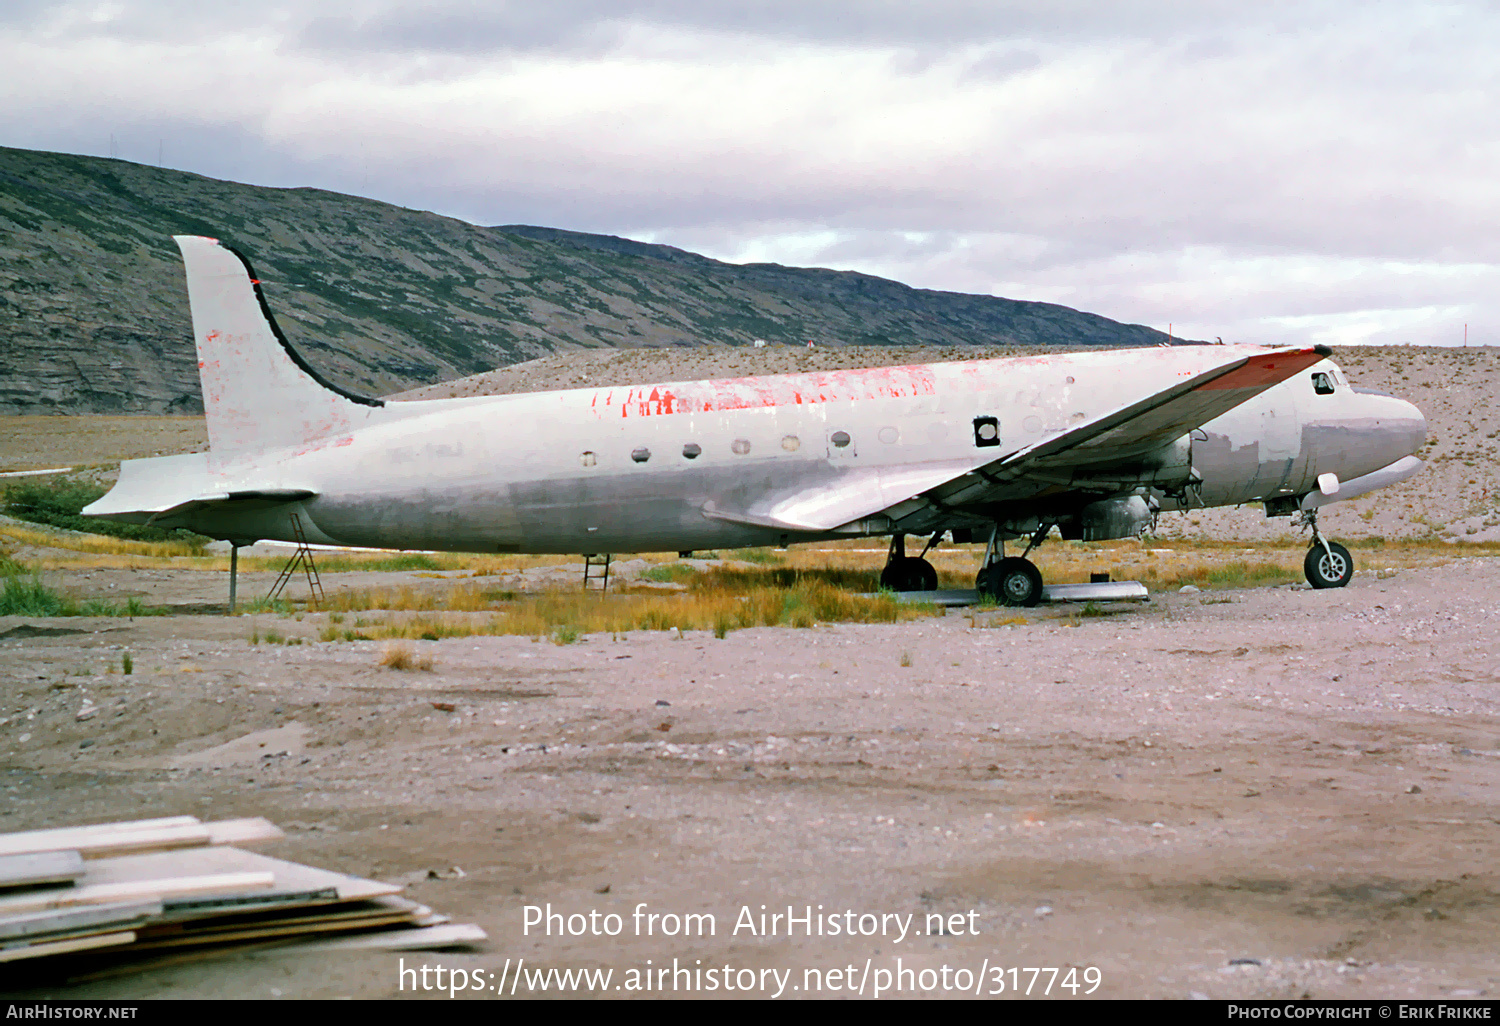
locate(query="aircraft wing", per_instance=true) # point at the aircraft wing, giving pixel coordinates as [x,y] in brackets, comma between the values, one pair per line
[1139,427]
[1148,423]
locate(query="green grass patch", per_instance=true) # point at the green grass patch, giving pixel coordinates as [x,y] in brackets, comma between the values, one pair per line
[59,504]
[669,573]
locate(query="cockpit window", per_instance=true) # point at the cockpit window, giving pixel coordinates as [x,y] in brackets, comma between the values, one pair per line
[1322,383]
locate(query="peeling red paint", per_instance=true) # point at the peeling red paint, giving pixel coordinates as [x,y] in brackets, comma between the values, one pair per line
[1262,371]
[764,392]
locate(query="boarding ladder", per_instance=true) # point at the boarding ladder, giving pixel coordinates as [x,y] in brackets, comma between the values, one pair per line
[596,568]
[302,560]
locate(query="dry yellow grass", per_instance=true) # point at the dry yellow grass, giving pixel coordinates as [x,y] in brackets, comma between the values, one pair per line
[566,616]
[397,656]
[97,544]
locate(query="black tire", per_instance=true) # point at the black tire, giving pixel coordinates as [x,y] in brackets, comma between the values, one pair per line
[909,574]
[1012,582]
[1331,569]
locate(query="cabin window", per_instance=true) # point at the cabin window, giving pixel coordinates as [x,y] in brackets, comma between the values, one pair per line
[840,439]
[740,447]
[888,435]
[791,443]
[641,455]
[692,451]
[1322,384]
[986,432]
[588,459]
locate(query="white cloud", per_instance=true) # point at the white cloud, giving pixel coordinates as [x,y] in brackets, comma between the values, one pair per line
[1280,172]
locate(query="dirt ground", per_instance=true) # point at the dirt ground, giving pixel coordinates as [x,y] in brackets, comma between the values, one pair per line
[1305,780]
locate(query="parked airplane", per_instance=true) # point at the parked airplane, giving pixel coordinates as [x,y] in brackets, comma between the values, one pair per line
[1092,443]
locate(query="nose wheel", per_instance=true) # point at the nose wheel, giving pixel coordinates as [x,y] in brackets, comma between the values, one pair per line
[1328,564]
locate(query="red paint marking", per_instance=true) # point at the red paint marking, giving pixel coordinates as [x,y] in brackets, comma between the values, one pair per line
[761,393]
[1264,371]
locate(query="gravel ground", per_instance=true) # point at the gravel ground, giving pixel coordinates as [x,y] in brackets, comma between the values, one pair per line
[1260,793]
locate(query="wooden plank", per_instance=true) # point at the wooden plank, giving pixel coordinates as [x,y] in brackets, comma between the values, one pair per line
[94,843]
[33,869]
[106,839]
[289,876]
[62,947]
[250,830]
[329,925]
[425,939]
[53,839]
[83,919]
[126,890]
[175,910]
[391,908]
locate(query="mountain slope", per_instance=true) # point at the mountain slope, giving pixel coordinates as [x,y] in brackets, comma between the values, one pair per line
[93,312]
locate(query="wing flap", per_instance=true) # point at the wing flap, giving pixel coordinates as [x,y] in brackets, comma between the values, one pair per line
[855,495]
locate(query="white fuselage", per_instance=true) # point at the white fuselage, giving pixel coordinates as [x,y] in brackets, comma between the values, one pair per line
[643,468]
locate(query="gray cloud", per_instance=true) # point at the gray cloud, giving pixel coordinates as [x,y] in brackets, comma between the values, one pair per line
[1281,171]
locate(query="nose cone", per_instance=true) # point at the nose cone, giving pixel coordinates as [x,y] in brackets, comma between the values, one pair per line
[1404,427]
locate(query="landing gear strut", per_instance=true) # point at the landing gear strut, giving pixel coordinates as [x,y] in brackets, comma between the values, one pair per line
[908,573]
[1328,564]
[1011,580]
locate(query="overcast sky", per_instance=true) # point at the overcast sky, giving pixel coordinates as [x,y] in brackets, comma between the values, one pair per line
[1265,172]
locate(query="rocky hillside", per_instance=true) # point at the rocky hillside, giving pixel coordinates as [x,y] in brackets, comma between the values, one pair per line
[93,313]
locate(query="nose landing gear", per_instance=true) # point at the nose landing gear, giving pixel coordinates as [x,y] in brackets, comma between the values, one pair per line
[1328,564]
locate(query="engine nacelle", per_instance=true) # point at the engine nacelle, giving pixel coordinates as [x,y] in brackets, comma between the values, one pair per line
[1111,518]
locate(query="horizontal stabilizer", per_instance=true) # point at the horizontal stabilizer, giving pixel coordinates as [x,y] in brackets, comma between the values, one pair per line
[166,485]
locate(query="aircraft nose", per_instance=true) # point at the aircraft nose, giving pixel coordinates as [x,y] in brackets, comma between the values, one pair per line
[1404,425]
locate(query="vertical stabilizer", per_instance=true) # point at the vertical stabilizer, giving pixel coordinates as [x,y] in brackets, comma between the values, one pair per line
[258,392]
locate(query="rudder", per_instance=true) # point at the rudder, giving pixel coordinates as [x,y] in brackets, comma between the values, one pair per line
[258,392]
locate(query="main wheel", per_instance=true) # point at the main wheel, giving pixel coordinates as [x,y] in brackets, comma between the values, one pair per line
[909,574]
[1013,582]
[1328,569]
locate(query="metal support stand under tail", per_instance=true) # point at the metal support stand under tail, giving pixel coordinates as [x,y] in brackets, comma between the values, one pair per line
[234,572]
[302,560]
[596,568]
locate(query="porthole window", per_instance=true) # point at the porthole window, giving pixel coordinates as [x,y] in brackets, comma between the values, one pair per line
[588,459]
[692,451]
[888,435]
[840,439]
[791,443]
[641,455]
[986,431]
[740,447]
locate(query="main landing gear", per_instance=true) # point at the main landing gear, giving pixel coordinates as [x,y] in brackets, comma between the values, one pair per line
[1328,564]
[1011,580]
[908,573]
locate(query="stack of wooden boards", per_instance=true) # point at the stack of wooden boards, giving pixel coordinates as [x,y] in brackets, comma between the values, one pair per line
[136,891]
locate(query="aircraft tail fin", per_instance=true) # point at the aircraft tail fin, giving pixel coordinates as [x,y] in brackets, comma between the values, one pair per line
[258,392]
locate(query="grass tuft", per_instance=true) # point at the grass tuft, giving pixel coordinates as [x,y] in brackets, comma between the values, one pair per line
[398,656]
